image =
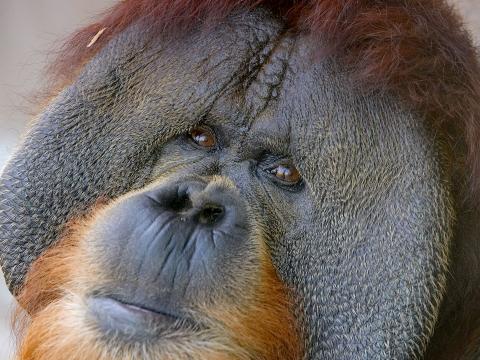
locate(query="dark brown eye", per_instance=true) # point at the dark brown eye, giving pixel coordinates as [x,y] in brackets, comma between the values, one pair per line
[287,173]
[203,136]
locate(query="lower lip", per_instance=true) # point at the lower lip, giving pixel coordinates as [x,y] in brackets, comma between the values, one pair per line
[130,320]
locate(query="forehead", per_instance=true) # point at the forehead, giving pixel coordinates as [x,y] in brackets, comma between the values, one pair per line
[236,71]
[246,73]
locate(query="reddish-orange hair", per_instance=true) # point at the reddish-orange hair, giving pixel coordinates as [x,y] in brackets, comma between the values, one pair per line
[417,49]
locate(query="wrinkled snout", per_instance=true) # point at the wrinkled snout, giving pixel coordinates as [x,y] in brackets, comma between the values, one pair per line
[175,243]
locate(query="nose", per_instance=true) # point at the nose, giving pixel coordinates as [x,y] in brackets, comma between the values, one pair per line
[177,239]
[195,221]
[175,243]
[190,202]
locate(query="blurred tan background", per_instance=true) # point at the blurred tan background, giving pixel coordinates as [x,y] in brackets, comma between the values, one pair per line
[28,29]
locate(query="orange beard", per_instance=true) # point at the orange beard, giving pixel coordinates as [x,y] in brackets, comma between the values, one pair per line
[53,323]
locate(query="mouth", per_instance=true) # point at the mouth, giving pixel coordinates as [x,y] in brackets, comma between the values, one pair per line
[135,321]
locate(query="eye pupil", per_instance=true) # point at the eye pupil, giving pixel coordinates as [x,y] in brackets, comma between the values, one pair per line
[287,173]
[203,137]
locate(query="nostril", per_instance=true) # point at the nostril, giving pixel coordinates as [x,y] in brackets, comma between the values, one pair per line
[180,203]
[210,214]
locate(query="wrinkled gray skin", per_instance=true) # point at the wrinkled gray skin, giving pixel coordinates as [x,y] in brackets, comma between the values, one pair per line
[363,244]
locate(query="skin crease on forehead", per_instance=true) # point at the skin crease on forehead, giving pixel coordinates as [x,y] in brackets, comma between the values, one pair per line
[363,244]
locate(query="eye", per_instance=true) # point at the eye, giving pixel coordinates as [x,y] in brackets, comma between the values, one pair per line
[287,173]
[203,136]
